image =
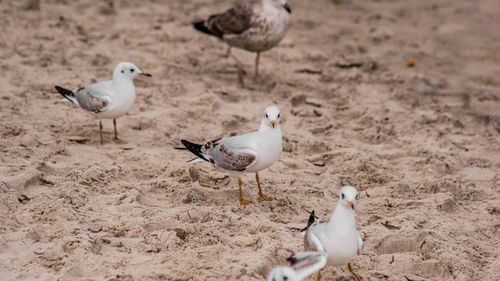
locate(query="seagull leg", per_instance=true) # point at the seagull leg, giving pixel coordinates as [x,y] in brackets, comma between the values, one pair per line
[319,275]
[257,67]
[116,132]
[261,195]
[100,130]
[352,272]
[241,71]
[242,201]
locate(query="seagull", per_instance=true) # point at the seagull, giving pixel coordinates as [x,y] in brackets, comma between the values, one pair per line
[108,99]
[302,265]
[339,236]
[251,152]
[253,27]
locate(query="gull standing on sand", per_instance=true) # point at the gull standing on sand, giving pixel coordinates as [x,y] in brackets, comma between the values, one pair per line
[252,27]
[303,264]
[108,99]
[338,237]
[251,152]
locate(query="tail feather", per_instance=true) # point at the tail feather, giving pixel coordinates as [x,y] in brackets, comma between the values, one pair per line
[195,149]
[202,27]
[67,94]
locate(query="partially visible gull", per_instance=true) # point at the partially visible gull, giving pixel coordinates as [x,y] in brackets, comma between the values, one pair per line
[302,265]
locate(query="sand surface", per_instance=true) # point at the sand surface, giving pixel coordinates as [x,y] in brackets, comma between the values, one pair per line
[422,144]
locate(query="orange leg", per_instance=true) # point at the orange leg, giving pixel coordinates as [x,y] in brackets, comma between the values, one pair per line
[261,195]
[319,275]
[100,130]
[352,272]
[116,131]
[242,201]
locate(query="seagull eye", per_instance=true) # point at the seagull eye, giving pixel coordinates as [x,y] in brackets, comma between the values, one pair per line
[278,115]
[343,196]
[285,278]
[123,71]
[132,70]
[267,116]
[357,196]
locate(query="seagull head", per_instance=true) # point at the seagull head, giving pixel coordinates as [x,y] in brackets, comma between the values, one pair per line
[280,4]
[271,116]
[283,273]
[348,196]
[128,70]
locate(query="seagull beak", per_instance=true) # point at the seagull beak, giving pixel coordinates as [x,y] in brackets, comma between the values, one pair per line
[351,203]
[145,74]
[287,8]
[273,122]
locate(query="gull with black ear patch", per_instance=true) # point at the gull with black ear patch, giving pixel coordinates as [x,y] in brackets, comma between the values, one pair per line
[254,28]
[251,152]
[108,99]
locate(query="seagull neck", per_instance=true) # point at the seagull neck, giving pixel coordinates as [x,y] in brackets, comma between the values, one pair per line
[343,215]
[264,128]
[119,80]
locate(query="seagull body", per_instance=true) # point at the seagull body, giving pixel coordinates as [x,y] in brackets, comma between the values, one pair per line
[108,99]
[338,237]
[252,27]
[251,152]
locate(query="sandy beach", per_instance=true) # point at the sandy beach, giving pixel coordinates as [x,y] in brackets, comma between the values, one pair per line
[421,144]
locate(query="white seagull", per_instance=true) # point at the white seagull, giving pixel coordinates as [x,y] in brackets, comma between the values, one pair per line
[251,152]
[302,265]
[108,99]
[252,27]
[338,237]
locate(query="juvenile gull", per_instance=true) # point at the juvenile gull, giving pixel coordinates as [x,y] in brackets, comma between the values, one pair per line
[302,265]
[251,152]
[338,237]
[108,99]
[252,27]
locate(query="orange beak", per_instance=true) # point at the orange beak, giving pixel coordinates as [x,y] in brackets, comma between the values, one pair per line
[145,74]
[351,203]
[273,122]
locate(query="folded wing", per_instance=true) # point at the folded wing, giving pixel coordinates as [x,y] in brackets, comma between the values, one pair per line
[230,158]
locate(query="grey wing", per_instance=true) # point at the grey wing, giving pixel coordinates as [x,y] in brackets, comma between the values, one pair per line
[233,21]
[311,239]
[233,159]
[94,98]
[308,263]
[360,244]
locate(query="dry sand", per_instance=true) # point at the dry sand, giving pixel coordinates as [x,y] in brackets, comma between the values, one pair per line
[422,144]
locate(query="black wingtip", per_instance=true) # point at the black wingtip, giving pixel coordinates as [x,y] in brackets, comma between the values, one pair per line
[65,93]
[310,221]
[194,148]
[292,260]
[202,27]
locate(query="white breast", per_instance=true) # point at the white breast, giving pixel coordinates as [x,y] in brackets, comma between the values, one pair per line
[340,253]
[122,99]
[269,147]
